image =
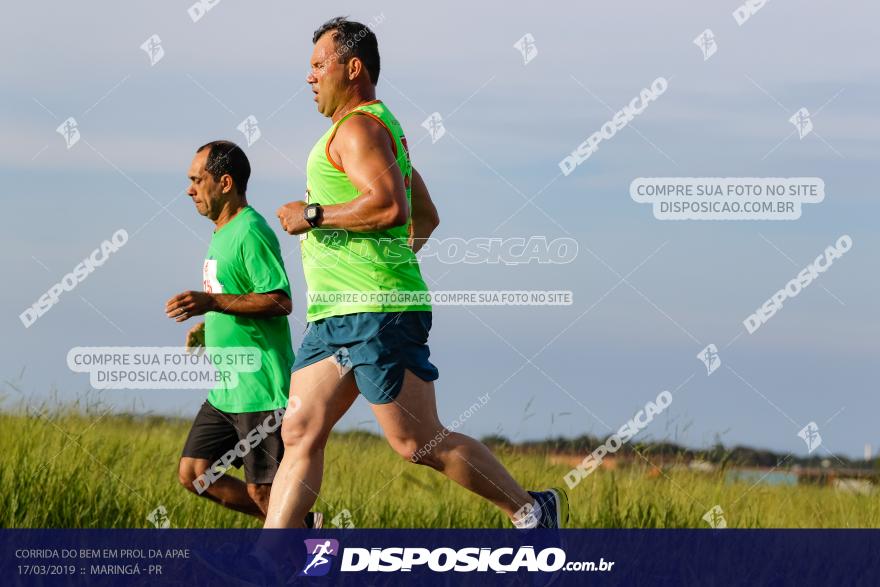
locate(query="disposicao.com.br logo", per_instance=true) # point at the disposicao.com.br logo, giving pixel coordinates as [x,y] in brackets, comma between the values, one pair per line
[443,559]
[319,552]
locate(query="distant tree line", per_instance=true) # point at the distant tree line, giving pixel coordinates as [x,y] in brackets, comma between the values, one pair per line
[718,454]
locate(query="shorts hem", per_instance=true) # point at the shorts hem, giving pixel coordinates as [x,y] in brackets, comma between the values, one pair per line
[391,398]
[189,454]
[309,362]
[253,482]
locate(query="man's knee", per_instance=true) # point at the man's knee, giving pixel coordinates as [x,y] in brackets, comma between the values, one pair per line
[420,453]
[188,471]
[301,435]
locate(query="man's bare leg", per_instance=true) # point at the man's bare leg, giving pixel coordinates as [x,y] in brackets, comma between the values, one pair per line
[410,424]
[325,398]
[228,491]
[259,493]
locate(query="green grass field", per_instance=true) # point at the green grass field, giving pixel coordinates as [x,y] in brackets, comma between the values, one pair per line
[71,470]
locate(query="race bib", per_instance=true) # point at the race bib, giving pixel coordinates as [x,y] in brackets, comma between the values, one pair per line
[209,277]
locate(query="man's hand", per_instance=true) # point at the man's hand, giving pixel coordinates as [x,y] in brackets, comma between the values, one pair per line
[188,304]
[195,337]
[291,217]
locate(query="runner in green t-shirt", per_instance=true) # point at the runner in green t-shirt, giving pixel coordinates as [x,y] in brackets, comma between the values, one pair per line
[244,257]
[245,301]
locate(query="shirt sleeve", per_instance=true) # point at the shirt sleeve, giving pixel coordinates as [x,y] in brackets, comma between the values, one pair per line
[263,264]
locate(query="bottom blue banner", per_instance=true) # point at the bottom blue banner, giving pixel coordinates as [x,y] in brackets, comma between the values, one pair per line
[453,557]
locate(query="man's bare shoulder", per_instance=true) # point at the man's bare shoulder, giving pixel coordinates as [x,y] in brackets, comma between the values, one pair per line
[361,131]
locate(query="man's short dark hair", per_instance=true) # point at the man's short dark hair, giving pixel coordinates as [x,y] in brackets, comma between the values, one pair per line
[227,158]
[353,39]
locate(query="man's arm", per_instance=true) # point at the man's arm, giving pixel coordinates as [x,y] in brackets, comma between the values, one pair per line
[253,305]
[424,213]
[363,148]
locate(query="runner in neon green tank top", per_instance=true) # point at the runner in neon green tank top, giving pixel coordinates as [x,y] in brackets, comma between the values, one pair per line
[379,264]
[366,204]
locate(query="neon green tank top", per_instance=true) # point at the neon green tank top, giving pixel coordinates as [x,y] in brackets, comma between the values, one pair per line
[350,272]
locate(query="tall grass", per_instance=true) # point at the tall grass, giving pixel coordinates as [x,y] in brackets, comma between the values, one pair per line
[69,469]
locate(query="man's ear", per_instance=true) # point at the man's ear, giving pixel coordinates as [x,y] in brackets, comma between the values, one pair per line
[226,183]
[355,67]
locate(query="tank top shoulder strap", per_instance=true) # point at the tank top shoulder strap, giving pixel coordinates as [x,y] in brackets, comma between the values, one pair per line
[359,110]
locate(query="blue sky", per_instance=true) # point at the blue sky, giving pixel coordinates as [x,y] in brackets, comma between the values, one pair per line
[508,124]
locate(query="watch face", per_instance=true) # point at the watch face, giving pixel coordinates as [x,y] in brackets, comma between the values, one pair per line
[311,213]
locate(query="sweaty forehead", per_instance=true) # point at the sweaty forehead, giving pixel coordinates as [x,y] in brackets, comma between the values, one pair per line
[197,167]
[324,48]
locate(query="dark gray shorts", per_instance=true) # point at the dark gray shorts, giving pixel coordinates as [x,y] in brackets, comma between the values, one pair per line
[214,433]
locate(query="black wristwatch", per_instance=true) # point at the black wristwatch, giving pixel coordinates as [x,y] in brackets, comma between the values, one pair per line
[313,214]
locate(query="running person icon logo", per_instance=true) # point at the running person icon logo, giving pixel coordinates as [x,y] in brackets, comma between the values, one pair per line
[318,552]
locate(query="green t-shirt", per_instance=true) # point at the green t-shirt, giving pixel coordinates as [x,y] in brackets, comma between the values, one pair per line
[244,257]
